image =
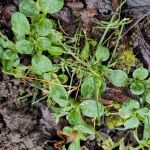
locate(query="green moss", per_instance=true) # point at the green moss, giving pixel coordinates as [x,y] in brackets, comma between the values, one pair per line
[125,59]
[114,121]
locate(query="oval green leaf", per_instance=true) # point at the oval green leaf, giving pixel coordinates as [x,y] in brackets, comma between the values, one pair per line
[56,37]
[58,93]
[128,108]
[75,145]
[131,123]
[44,27]
[24,47]
[146,96]
[47,76]
[43,43]
[118,78]
[85,53]
[137,88]
[41,64]
[140,73]
[20,25]
[74,117]
[50,6]
[84,128]
[28,8]
[91,108]
[55,51]
[102,53]
[87,88]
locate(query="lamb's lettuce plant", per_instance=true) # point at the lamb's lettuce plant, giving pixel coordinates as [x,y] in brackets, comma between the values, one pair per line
[139,84]
[33,38]
[37,38]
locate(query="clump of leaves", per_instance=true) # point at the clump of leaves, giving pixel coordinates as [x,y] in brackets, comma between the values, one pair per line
[132,111]
[138,84]
[35,38]
[134,114]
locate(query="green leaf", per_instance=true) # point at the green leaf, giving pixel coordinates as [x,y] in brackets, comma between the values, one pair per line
[58,93]
[146,134]
[85,53]
[91,108]
[140,73]
[67,130]
[146,96]
[102,53]
[35,20]
[10,55]
[147,83]
[20,25]
[137,88]
[131,123]
[43,43]
[6,43]
[41,64]
[84,128]
[128,108]
[55,36]
[20,71]
[88,88]
[75,145]
[3,41]
[1,52]
[24,47]
[50,6]
[74,117]
[63,78]
[55,51]
[7,65]
[143,112]
[118,78]
[63,147]
[44,27]
[28,8]
[54,68]
[10,60]
[47,76]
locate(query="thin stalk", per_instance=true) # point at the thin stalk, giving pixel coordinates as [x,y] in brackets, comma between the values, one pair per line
[106,30]
[117,43]
[97,93]
[79,60]
[41,80]
[71,81]
[109,25]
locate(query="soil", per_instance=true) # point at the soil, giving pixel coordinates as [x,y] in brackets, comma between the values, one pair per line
[20,124]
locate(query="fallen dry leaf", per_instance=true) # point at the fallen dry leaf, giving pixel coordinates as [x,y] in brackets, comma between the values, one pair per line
[65,139]
[117,94]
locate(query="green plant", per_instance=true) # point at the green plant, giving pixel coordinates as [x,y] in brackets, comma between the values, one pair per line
[55,63]
[135,114]
[132,111]
[39,40]
[139,85]
[74,112]
[33,38]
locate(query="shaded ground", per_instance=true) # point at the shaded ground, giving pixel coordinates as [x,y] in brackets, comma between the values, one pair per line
[19,123]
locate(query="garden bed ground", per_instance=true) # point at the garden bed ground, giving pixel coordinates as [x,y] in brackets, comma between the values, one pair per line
[25,125]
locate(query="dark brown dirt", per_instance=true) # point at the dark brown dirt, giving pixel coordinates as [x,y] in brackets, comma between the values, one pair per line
[22,127]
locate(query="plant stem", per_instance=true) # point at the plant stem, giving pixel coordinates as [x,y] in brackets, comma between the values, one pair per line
[117,43]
